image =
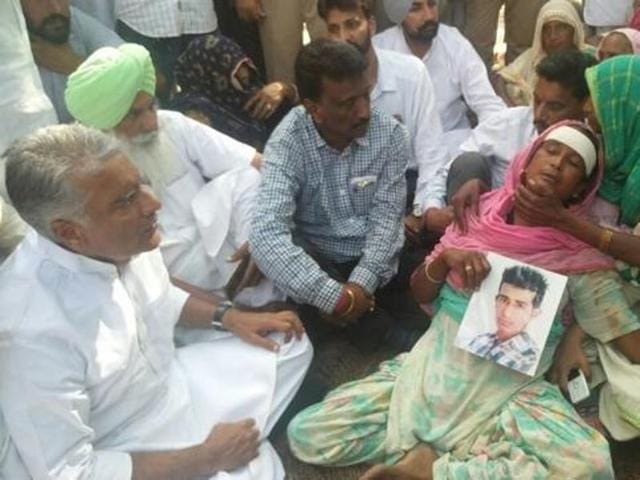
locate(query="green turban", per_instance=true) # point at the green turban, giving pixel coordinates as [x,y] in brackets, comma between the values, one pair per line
[101,91]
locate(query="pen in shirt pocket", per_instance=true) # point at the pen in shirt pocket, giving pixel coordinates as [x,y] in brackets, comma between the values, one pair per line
[360,183]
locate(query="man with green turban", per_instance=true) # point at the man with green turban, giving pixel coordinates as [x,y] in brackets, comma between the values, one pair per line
[204,178]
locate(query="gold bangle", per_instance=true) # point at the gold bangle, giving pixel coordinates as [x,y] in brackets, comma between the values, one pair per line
[352,303]
[605,240]
[428,275]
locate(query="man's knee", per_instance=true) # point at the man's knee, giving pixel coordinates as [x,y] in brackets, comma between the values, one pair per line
[468,166]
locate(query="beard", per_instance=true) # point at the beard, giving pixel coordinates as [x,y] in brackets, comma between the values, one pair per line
[364,46]
[426,33]
[55,28]
[156,158]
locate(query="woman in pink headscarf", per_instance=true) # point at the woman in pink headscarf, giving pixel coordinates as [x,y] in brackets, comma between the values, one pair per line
[442,412]
[622,41]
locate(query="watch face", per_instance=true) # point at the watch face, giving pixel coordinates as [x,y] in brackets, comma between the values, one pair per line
[417,211]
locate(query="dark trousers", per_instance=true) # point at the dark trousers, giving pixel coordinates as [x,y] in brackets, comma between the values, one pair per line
[467,166]
[395,308]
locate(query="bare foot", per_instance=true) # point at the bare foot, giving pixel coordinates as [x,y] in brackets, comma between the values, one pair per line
[415,465]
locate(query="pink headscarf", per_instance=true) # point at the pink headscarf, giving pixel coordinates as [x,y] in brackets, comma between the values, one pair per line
[631,34]
[544,247]
[635,19]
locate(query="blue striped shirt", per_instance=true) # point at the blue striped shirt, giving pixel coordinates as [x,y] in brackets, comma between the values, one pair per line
[348,205]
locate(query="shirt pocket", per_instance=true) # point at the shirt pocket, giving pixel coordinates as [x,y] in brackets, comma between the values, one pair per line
[362,191]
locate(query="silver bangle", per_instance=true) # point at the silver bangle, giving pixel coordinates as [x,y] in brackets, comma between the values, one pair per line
[218,314]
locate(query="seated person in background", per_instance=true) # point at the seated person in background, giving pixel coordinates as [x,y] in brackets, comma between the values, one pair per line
[202,223]
[61,38]
[402,89]
[91,384]
[219,82]
[328,220]
[623,41]
[459,77]
[518,302]
[560,93]
[442,412]
[558,28]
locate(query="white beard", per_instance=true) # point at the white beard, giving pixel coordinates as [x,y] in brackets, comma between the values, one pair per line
[156,158]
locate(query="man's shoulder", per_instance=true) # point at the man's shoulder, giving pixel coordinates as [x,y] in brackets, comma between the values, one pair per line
[388,38]
[90,31]
[399,65]
[295,130]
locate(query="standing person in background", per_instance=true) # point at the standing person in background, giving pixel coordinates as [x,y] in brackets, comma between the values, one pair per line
[165,28]
[459,78]
[280,23]
[481,26]
[606,15]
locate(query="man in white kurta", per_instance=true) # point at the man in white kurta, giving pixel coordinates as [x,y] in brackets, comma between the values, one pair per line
[203,224]
[89,375]
[402,89]
[458,74]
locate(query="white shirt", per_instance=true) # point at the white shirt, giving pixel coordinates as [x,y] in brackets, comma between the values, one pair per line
[404,90]
[89,371]
[499,138]
[23,104]
[459,79]
[167,18]
[204,153]
[87,35]
[607,13]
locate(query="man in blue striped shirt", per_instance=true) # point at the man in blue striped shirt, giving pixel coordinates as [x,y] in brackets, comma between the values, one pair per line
[328,221]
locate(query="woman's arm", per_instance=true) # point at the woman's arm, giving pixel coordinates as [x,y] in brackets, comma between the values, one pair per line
[472,267]
[537,207]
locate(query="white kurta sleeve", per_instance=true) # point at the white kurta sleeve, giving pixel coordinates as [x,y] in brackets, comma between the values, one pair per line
[431,153]
[476,88]
[213,152]
[46,408]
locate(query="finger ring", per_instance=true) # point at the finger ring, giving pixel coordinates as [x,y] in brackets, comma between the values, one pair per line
[468,268]
[372,309]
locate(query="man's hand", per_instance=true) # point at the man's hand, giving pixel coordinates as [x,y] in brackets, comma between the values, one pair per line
[254,327]
[250,10]
[472,266]
[360,302]
[467,196]
[569,355]
[57,58]
[266,101]
[438,219]
[230,446]
[538,205]
[412,227]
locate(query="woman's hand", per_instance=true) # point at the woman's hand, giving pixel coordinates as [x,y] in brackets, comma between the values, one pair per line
[267,100]
[537,204]
[569,356]
[472,266]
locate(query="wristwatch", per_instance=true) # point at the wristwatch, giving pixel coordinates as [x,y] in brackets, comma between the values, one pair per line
[221,309]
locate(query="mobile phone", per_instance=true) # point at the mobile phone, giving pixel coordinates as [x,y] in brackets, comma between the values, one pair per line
[578,386]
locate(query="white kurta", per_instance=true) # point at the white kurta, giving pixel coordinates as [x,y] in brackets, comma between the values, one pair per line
[194,252]
[459,79]
[404,90]
[24,107]
[607,13]
[89,372]
[499,138]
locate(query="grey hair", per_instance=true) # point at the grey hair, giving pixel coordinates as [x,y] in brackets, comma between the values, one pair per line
[40,167]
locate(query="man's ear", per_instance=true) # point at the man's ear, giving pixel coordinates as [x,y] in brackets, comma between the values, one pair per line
[70,234]
[313,109]
[373,26]
[535,312]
